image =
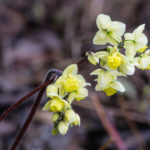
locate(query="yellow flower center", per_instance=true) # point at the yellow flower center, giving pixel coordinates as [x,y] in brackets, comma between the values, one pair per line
[110,91]
[142,49]
[114,61]
[71,84]
[56,105]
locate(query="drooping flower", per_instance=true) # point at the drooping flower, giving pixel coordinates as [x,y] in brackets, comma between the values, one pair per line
[73,83]
[106,81]
[109,31]
[56,104]
[113,87]
[68,87]
[136,41]
[110,59]
[78,95]
[63,127]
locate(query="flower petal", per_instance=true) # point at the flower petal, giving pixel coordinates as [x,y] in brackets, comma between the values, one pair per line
[71,69]
[118,86]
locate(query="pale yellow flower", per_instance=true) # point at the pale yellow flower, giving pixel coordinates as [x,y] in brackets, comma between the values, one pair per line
[135,41]
[113,87]
[109,31]
[56,104]
[106,81]
[73,83]
[110,59]
[78,95]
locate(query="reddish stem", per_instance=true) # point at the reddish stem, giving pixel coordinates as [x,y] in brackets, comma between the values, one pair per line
[12,107]
[29,118]
[34,107]
[111,130]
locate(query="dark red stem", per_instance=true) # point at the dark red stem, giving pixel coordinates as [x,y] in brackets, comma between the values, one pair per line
[29,119]
[34,108]
[12,107]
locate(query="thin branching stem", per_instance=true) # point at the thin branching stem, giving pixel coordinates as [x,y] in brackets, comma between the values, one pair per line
[13,106]
[34,108]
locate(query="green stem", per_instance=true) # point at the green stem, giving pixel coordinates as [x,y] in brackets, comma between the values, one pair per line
[128,41]
[109,34]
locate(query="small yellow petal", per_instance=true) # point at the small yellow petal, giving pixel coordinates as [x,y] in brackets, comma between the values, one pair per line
[71,69]
[110,91]
[142,49]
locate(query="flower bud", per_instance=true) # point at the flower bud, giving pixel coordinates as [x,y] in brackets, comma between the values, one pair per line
[54,131]
[77,121]
[70,116]
[63,127]
[92,58]
[55,116]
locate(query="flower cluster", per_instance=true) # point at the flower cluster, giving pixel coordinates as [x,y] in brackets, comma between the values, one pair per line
[121,57]
[67,87]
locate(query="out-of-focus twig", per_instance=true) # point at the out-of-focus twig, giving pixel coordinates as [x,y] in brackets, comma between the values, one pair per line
[132,125]
[113,133]
[117,112]
[106,144]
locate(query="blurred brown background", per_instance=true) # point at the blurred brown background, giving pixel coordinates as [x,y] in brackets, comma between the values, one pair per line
[36,35]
